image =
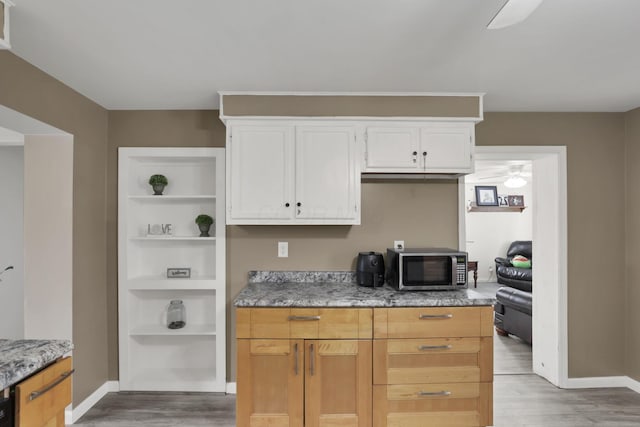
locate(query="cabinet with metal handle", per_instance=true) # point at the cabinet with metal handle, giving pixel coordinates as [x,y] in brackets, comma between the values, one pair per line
[42,398]
[443,147]
[307,364]
[432,367]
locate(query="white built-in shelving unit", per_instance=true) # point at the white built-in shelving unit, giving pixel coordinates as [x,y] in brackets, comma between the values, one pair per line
[152,356]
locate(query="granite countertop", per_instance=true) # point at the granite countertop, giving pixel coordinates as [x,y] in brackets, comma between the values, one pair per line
[338,289]
[21,358]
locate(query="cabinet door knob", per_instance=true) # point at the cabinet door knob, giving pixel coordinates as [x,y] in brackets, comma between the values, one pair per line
[424,153]
[298,204]
[415,153]
[286,205]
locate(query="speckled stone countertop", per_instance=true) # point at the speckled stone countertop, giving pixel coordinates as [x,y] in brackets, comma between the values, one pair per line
[339,289]
[21,358]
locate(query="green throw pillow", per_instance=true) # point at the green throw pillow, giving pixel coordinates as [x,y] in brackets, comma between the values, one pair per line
[521,261]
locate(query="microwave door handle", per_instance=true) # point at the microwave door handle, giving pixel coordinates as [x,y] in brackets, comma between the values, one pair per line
[454,271]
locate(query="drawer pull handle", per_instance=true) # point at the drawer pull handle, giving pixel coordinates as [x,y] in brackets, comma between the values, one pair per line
[34,395]
[434,393]
[434,347]
[312,360]
[435,316]
[295,352]
[304,318]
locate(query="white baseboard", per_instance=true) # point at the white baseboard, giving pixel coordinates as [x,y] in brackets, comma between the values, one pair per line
[71,416]
[633,384]
[231,388]
[603,382]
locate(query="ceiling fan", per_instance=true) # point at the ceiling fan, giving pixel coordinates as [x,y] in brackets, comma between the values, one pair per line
[515,177]
[513,12]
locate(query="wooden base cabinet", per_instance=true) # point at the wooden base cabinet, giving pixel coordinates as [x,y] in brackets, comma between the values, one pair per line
[295,382]
[321,368]
[433,367]
[42,398]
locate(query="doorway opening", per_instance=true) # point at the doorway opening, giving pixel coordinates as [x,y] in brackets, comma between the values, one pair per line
[549,236]
[40,284]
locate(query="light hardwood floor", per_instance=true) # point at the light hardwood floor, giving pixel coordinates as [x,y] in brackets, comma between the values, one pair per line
[520,399]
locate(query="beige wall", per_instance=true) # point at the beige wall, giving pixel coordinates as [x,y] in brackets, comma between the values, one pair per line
[595,202]
[595,179]
[428,215]
[423,213]
[28,90]
[632,167]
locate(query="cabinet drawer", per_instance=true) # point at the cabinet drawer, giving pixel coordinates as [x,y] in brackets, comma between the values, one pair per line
[442,405]
[41,399]
[306,323]
[432,360]
[432,322]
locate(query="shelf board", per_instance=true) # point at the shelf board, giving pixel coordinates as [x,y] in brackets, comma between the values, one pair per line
[157,283]
[163,330]
[475,208]
[174,238]
[176,197]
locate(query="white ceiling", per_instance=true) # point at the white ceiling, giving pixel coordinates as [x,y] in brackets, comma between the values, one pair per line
[569,55]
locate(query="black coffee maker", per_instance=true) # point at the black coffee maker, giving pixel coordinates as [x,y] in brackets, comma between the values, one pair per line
[370,269]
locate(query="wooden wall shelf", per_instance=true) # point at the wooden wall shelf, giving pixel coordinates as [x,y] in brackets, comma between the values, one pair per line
[475,208]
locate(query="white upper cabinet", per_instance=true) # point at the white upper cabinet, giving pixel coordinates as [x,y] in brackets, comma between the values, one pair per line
[285,173]
[260,173]
[392,149]
[434,147]
[327,179]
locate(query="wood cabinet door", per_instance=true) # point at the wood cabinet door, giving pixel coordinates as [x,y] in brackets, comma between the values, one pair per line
[392,149]
[338,384]
[260,174]
[42,398]
[447,147]
[270,383]
[327,175]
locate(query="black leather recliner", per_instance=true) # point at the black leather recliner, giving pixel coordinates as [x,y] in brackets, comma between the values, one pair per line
[507,274]
[512,311]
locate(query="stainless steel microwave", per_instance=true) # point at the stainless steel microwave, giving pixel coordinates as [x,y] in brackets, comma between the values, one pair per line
[427,269]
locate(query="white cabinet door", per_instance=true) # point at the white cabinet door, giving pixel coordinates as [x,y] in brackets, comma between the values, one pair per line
[327,175]
[447,147]
[392,149]
[260,163]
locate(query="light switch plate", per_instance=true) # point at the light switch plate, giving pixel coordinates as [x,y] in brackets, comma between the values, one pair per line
[283,249]
[398,244]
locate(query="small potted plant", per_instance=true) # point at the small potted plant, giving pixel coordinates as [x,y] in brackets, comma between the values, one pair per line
[204,222]
[158,183]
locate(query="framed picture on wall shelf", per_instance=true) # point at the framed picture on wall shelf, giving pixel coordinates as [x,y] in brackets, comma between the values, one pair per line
[516,201]
[486,195]
[503,201]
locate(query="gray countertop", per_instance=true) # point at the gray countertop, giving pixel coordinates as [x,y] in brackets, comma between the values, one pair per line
[21,358]
[337,289]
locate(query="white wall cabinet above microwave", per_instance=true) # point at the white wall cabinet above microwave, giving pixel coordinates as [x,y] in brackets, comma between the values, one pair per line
[436,147]
[281,172]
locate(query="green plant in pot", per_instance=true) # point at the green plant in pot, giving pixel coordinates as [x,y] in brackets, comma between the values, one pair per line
[158,182]
[204,222]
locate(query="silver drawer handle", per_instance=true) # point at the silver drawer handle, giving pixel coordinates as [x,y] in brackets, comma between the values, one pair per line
[304,318]
[435,316]
[35,394]
[434,393]
[434,347]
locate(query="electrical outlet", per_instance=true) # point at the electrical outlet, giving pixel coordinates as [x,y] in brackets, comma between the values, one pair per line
[491,269]
[283,249]
[398,244]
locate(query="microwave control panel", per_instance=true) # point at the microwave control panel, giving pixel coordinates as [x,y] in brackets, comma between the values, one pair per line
[461,268]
